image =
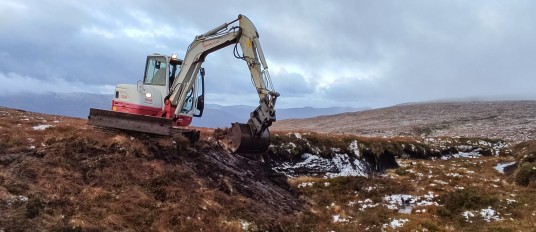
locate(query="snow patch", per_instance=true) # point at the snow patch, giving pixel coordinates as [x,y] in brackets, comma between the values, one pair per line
[41,127]
[396,223]
[441,182]
[289,146]
[245,224]
[305,184]
[338,218]
[354,148]
[347,167]
[500,167]
[510,201]
[472,154]
[487,215]
[405,202]
[339,165]
[468,215]
[490,214]
[453,174]
[367,203]
[14,199]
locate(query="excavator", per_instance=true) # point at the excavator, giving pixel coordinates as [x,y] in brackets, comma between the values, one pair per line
[173,91]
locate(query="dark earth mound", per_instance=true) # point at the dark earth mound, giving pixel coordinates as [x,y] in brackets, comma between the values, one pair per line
[56,173]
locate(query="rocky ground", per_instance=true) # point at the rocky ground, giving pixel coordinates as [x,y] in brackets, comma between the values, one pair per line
[59,174]
[513,121]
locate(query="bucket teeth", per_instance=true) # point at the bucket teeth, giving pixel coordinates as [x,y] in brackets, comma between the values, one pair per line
[243,140]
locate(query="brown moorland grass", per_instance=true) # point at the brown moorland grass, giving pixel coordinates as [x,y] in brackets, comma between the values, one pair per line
[70,177]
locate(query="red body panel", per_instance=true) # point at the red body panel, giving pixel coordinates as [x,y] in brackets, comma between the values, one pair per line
[183,121]
[134,109]
[151,111]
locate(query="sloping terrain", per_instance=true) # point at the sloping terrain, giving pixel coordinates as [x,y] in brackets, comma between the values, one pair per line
[58,174]
[509,120]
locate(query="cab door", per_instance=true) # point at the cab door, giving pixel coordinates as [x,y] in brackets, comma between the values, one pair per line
[194,102]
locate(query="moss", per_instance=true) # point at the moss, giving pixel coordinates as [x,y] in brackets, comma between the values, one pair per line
[467,199]
[530,158]
[418,150]
[422,131]
[427,225]
[34,207]
[526,175]
[375,216]
[288,146]
[16,188]
[401,171]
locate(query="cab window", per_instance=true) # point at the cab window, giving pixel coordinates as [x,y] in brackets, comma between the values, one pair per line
[189,101]
[155,73]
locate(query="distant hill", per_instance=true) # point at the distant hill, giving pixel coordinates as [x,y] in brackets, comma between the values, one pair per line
[65,104]
[509,120]
[78,104]
[222,116]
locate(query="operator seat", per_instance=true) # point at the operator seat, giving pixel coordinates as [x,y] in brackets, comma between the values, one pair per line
[159,77]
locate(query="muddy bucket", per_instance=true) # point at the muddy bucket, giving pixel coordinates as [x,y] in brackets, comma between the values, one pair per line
[243,140]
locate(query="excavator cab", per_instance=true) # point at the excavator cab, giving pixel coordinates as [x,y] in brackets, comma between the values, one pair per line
[132,103]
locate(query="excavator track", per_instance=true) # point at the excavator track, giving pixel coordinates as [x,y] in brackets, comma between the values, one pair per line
[132,122]
[111,122]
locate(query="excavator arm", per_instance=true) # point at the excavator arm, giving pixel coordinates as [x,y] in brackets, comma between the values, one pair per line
[254,135]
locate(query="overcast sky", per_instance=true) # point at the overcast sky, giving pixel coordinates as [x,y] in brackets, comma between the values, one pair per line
[320,53]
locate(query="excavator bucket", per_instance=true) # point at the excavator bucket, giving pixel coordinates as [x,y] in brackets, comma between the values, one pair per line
[243,140]
[131,122]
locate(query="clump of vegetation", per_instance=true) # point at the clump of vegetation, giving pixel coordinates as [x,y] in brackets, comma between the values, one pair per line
[378,153]
[525,154]
[526,174]
[428,129]
[466,199]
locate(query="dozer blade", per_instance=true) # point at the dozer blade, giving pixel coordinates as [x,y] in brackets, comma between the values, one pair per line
[132,122]
[243,140]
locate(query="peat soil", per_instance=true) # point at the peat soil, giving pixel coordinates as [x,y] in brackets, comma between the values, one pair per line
[57,173]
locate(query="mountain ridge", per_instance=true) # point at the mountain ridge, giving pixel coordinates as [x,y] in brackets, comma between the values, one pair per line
[78,104]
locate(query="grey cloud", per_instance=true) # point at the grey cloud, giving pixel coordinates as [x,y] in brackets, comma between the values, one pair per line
[291,84]
[379,52]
